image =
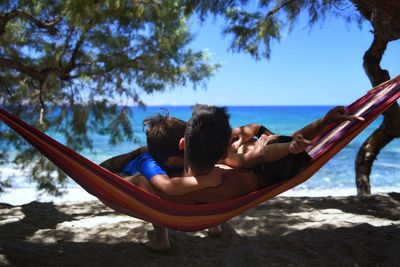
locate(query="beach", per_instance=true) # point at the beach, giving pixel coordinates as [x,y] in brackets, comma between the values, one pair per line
[86,81]
[319,223]
[284,231]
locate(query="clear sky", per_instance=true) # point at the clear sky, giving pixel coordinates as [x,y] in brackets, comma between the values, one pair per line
[317,66]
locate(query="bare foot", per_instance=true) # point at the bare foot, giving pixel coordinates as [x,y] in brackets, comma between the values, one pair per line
[155,244]
[215,231]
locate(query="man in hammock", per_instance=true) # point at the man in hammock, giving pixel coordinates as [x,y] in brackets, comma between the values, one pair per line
[206,141]
[166,146]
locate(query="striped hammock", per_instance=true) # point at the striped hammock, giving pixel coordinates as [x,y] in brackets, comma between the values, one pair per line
[136,202]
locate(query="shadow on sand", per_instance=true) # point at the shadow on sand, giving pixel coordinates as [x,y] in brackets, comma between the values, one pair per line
[270,235]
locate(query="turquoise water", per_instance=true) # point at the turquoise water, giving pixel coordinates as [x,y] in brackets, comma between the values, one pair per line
[337,174]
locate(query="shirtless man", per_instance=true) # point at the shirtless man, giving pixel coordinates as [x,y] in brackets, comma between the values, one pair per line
[235,182]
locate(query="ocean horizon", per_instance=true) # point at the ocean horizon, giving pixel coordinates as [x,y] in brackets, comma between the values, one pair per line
[335,178]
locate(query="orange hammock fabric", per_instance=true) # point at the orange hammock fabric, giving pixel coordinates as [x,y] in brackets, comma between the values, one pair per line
[136,202]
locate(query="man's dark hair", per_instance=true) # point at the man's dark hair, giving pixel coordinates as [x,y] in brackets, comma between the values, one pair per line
[207,137]
[163,134]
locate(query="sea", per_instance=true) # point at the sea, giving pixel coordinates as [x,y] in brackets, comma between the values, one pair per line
[336,178]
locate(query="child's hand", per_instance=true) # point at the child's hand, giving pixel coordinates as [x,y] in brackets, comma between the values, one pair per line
[339,114]
[299,144]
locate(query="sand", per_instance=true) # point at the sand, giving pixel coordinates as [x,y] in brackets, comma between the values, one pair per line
[285,231]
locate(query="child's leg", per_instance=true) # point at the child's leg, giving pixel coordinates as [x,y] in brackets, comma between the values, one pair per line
[159,241]
[215,231]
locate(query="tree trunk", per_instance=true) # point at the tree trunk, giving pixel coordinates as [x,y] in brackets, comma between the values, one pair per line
[383,15]
[390,127]
[370,149]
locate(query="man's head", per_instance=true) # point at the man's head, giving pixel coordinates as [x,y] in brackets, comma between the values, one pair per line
[163,134]
[207,137]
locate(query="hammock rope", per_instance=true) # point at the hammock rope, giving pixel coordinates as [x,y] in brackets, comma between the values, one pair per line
[131,200]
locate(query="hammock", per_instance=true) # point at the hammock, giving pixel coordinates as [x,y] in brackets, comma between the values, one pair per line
[136,202]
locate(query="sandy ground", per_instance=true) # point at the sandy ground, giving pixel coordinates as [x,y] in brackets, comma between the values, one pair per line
[285,231]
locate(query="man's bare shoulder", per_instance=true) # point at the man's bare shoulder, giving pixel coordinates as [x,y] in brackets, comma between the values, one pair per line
[223,166]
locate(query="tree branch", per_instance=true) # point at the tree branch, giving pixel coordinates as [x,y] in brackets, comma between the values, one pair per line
[372,59]
[11,64]
[64,72]
[72,62]
[278,8]
[6,17]
[66,44]
[9,92]
[39,23]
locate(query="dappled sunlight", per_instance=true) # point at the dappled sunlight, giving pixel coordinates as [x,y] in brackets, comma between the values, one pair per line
[79,210]
[283,231]
[11,215]
[98,229]
[336,218]
[281,216]
[92,221]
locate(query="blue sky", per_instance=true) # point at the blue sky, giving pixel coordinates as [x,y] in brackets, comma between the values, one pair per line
[317,66]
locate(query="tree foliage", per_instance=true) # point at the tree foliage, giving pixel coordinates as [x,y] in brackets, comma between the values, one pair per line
[72,67]
[253,27]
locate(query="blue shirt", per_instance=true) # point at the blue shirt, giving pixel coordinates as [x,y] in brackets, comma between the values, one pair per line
[145,165]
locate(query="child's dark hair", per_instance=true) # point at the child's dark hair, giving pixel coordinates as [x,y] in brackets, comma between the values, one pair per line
[207,137]
[163,134]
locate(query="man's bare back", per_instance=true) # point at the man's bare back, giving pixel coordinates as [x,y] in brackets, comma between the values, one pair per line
[235,183]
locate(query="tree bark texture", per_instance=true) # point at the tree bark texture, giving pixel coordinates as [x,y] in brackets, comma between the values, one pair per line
[383,16]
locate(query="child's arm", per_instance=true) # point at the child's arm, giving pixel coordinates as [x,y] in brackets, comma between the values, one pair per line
[149,168]
[183,185]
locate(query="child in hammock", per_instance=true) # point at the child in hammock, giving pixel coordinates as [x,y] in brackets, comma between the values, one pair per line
[164,159]
[162,165]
